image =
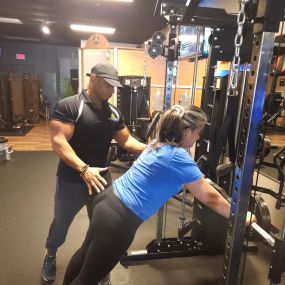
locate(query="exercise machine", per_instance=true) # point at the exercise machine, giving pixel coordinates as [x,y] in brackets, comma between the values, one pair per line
[265,19]
[145,134]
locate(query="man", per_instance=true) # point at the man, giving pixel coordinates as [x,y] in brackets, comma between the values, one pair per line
[82,128]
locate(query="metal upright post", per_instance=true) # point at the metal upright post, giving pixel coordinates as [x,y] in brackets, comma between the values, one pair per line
[168,84]
[252,115]
[203,145]
[193,89]
[266,20]
[282,231]
[170,62]
[171,57]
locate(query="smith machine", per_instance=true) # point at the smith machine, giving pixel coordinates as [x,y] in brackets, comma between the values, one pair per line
[265,16]
[204,238]
[253,37]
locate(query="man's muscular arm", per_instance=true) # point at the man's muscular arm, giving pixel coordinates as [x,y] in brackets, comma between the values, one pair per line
[129,143]
[61,133]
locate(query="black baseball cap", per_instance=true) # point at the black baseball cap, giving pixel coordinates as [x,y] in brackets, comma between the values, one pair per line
[108,72]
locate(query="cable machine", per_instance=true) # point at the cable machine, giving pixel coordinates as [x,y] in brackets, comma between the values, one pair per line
[264,17]
[201,241]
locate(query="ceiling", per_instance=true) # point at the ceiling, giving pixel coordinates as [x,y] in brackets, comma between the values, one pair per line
[134,22]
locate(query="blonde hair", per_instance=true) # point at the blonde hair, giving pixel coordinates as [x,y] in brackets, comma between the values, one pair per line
[174,121]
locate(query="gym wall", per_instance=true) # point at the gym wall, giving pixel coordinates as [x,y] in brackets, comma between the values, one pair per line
[46,61]
[132,61]
[185,79]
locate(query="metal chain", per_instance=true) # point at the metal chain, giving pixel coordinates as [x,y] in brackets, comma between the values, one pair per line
[232,89]
[145,64]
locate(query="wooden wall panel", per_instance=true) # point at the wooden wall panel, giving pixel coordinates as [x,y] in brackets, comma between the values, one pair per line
[36,85]
[17,94]
[6,98]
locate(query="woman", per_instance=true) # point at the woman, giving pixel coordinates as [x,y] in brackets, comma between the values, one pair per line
[155,177]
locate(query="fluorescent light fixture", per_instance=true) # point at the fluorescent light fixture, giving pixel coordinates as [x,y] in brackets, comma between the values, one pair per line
[187,3]
[129,1]
[46,30]
[10,21]
[21,38]
[92,29]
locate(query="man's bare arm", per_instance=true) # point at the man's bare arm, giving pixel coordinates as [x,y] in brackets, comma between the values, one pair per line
[128,142]
[61,133]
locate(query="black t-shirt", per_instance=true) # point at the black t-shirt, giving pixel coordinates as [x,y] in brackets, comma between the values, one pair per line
[93,132]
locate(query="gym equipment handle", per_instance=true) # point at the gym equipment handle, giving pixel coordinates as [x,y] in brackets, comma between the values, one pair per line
[264,234]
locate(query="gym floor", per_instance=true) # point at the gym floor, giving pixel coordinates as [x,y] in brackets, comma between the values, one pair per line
[26,206]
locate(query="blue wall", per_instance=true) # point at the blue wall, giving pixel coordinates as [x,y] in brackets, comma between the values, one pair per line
[50,62]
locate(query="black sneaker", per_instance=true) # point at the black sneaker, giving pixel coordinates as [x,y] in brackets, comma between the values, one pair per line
[106,280]
[49,268]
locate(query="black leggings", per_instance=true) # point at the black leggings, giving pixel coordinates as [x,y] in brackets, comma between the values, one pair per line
[111,232]
[70,197]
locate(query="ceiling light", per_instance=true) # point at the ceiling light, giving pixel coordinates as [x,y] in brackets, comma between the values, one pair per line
[117,1]
[10,21]
[187,3]
[46,30]
[21,38]
[92,29]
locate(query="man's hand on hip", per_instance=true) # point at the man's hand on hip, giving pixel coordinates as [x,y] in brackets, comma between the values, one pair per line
[94,180]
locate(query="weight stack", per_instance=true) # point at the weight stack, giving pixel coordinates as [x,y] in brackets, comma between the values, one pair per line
[212,231]
[133,98]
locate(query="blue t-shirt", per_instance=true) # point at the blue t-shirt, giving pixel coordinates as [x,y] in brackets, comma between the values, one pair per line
[155,177]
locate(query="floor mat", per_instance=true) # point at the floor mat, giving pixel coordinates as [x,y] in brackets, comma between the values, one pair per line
[27,185]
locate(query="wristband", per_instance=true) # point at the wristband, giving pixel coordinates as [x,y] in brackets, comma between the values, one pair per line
[83,169]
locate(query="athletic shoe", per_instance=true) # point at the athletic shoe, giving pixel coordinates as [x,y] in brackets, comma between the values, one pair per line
[106,280]
[49,268]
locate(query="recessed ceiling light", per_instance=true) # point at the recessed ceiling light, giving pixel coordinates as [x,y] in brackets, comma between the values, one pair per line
[10,21]
[46,30]
[92,29]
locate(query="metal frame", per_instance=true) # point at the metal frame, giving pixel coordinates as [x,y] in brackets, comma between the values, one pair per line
[252,115]
[265,26]
[220,50]
[267,18]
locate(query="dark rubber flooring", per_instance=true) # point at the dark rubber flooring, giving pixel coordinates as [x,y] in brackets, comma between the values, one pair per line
[26,205]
